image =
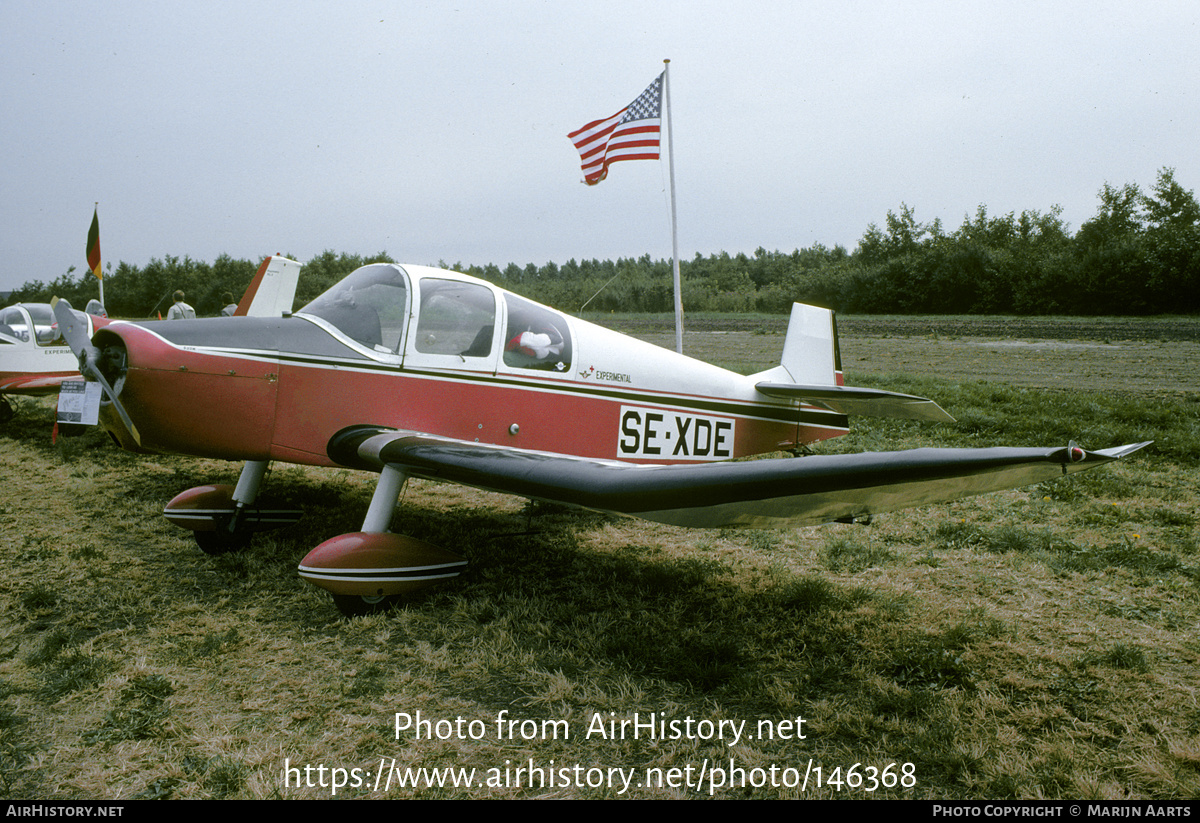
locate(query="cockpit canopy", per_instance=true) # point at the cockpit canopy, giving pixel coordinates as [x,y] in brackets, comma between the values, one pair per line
[455,316]
[19,321]
[370,306]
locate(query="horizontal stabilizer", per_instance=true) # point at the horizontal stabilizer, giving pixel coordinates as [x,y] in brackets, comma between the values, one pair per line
[770,493]
[861,402]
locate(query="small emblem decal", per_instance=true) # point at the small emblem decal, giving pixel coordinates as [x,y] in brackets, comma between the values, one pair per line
[609,376]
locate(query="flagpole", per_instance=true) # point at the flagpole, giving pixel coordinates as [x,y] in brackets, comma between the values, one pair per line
[674,227]
[100,277]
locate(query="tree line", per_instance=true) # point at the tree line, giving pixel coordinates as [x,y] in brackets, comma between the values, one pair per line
[1140,254]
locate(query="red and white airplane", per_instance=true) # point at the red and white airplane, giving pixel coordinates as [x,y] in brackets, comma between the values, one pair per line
[411,371]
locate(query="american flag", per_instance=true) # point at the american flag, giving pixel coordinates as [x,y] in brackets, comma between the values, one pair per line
[630,134]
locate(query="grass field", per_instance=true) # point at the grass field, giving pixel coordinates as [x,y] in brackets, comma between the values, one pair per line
[1040,642]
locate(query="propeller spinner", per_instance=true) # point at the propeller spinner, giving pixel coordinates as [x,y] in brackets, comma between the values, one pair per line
[74,331]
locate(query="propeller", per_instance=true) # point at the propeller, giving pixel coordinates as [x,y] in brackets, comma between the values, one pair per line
[73,328]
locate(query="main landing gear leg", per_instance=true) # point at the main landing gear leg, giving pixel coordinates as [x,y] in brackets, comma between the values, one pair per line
[383,502]
[370,570]
[246,491]
[377,520]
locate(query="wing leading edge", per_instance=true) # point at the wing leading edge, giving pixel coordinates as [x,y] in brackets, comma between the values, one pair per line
[767,493]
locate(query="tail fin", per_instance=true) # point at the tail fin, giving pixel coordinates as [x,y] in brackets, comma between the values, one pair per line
[272,290]
[811,371]
[810,350]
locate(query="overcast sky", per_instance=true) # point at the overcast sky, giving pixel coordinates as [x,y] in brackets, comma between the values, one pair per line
[437,131]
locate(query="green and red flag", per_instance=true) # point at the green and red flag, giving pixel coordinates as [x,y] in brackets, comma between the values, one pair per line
[93,246]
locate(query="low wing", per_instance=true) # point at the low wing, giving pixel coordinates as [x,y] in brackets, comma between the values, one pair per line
[755,493]
[35,384]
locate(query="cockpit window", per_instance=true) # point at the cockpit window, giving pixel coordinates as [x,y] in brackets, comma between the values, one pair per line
[44,329]
[456,318]
[45,325]
[369,306]
[12,324]
[536,338]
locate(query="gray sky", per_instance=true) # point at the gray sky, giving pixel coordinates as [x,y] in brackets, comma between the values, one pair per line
[437,131]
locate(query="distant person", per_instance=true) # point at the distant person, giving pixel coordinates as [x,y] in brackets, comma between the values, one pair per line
[181,310]
[230,306]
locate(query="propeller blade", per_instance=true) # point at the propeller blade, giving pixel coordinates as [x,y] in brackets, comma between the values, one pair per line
[73,327]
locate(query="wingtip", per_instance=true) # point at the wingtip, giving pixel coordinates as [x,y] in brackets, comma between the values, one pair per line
[1121,451]
[1075,453]
[947,416]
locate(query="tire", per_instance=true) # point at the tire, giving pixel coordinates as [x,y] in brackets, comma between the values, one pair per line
[356,605]
[220,541]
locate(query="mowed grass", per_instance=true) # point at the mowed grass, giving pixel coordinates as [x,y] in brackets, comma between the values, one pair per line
[1040,642]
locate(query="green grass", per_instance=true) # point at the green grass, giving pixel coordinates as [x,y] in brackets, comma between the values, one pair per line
[992,415]
[141,712]
[1032,643]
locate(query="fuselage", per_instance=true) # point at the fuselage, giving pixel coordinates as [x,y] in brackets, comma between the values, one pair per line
[437,352]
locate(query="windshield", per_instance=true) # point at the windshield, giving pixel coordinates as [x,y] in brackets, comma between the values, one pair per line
[13,324]
[46,325]
[370,306]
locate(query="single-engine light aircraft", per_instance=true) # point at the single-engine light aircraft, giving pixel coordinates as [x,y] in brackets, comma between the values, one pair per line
[35,359]
[412,371]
